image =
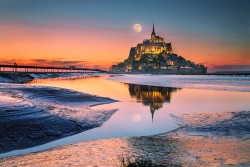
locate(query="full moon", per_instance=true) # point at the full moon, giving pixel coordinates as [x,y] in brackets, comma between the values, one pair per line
[137,28]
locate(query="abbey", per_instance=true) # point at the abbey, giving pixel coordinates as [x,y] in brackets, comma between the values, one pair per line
[153,46]
[154,55]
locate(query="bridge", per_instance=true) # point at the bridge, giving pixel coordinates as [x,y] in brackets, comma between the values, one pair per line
[13,67]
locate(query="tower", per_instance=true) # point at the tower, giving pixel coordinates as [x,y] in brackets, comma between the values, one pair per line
[152,110]
[153,32]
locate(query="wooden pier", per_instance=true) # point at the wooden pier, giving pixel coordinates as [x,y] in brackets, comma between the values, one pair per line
[7,67]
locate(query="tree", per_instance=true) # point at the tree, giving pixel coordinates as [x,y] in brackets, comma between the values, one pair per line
[121,64]
[154,60]
[131,58]
[160,58]
[143,59]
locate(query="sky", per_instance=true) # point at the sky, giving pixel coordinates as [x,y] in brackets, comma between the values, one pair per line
[96,33]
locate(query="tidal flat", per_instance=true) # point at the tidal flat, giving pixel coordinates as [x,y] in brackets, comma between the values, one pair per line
[212,139]
[33,115]
[203,123]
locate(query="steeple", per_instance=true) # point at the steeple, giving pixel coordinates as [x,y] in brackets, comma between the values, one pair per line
[152,110]
[153,32]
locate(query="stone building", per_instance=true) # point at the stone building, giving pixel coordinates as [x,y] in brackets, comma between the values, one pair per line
[153,46]
[154,55]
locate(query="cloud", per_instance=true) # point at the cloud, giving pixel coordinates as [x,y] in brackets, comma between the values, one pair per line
[60,62]
[66,63]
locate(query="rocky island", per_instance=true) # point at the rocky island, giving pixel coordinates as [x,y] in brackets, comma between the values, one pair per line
[156,56]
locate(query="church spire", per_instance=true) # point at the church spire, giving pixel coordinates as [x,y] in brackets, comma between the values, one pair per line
[153,32]
[152,110]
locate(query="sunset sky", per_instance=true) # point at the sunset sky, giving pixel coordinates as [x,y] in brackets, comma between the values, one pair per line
[91,33]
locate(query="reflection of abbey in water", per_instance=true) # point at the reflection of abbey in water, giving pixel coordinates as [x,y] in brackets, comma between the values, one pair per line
[152,96]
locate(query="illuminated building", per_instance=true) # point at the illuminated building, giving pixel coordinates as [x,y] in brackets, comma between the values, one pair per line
[154,55]
[153,46]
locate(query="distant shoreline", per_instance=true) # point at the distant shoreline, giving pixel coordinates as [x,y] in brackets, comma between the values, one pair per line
[24,77]
[247,73]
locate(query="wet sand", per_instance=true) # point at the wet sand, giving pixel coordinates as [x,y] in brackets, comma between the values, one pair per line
[33,115]
[204,139]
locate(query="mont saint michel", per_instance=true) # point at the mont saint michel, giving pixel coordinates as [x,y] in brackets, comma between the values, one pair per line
[132,83]
[154,55]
